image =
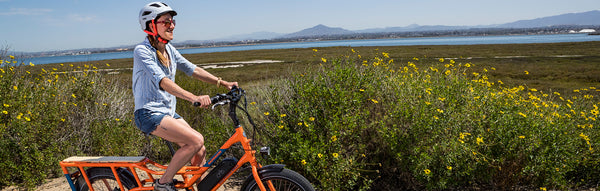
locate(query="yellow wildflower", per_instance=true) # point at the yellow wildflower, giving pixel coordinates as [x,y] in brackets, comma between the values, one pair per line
[320,155]
[280,126]
[526,72]
[387,55]
[323,59]
[266,113]
[479,140]
[335,155]
[427,171]
[303,162]
[374,101]
[441,59]
[311,118]
[282,115]
[333,138]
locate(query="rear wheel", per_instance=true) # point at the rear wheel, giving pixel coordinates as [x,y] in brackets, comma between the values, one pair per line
[286,179]
[103,179]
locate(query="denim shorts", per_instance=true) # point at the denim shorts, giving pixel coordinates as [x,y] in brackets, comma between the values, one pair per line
[147,120]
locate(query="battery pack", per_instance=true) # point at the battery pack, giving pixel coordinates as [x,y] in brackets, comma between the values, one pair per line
[217,174]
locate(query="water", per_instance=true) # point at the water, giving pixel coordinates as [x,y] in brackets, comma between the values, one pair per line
[466,40]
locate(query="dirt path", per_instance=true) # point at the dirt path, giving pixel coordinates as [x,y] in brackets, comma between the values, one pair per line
[55,184]
[60,184]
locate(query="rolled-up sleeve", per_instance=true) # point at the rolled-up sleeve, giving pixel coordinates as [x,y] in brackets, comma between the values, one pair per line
[145,59]
[183,64]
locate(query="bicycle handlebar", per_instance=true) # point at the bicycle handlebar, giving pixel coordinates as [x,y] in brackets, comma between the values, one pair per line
[221,99]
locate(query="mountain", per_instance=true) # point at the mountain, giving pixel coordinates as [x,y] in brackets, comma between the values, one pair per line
[252,36]
[585,18]
[412,28]
[319,30]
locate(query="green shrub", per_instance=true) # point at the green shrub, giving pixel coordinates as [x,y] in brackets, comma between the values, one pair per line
[357,123]
[49,116]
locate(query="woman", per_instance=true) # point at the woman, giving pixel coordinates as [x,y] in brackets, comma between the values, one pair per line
[155,63]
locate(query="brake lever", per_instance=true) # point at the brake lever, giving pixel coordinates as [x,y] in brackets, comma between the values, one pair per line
[219,104]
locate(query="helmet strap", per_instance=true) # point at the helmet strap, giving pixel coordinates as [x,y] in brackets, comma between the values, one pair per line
[155,33]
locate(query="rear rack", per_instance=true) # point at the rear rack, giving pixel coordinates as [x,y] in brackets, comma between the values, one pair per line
[131,163]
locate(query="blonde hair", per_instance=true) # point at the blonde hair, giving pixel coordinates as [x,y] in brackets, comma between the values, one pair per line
[161,58]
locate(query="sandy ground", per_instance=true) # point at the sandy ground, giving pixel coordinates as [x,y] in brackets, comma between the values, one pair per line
[60,184]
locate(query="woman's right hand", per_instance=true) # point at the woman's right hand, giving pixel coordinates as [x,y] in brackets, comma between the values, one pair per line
[204,101]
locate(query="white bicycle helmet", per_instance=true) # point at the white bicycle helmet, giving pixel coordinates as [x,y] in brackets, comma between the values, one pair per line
[153,10]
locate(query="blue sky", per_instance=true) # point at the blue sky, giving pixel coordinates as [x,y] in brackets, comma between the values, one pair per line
[43,25]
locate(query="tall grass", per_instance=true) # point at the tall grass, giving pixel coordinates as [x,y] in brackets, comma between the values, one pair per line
[365,122]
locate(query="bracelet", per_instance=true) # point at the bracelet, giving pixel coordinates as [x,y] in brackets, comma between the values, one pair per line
[218,82]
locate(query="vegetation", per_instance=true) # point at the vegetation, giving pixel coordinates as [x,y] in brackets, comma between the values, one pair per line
[418,117]
[364,119]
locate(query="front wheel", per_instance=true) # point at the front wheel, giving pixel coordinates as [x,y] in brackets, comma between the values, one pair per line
[281,180]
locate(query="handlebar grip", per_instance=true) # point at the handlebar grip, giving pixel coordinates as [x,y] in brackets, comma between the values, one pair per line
[213,100]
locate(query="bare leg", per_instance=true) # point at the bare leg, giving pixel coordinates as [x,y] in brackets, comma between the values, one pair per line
[190,140]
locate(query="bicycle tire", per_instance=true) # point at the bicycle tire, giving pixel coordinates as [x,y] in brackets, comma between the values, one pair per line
[284,180]
[102,178]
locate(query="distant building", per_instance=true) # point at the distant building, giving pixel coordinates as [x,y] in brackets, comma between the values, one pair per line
[587,31]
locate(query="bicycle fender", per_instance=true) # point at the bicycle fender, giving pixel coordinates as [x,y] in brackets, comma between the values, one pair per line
[271,168]
[127,178]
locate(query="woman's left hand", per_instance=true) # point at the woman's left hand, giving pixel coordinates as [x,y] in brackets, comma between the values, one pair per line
[229,85]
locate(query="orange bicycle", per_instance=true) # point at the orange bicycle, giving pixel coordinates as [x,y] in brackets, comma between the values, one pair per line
[123,173]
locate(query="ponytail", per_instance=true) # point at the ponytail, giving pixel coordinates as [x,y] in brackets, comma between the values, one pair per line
[161,58]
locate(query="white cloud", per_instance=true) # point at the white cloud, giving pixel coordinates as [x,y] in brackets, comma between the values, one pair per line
[81,18]
[26,11]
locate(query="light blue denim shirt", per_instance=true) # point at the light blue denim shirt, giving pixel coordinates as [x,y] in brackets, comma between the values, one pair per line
[147,74]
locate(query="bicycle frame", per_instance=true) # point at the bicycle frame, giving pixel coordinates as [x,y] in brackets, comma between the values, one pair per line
[190,174]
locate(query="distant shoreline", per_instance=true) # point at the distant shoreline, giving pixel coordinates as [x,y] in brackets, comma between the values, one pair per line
[443,40]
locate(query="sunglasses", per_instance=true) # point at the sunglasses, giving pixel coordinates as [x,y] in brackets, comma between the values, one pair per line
[167,23]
